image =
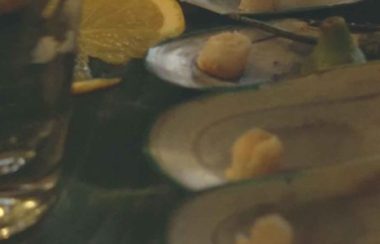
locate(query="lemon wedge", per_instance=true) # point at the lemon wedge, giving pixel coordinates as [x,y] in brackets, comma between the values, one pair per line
[119,30]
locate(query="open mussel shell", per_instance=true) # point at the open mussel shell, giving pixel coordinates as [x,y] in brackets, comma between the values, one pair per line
[324,118]
[329,205]
[271,58]
[280,6]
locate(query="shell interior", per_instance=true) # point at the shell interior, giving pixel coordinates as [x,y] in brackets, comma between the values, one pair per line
[333,204]
[322,119]
[271,58]
[282,6]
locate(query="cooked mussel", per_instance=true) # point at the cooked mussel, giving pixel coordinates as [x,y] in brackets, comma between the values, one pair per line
[253,7]
[324,118]
[334,204]
[271,58]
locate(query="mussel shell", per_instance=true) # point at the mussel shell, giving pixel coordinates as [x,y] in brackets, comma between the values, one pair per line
[232,6]
[272,58]
[333,204]
[323,118]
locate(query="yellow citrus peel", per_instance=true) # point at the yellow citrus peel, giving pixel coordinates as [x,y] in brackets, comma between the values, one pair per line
[88,86]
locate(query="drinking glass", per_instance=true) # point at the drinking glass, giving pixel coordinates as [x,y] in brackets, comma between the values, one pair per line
[37,49]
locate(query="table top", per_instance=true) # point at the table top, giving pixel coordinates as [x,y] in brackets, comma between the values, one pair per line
[111,192]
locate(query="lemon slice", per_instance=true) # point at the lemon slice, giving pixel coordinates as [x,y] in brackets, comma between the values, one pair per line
[174,21]
[122,29]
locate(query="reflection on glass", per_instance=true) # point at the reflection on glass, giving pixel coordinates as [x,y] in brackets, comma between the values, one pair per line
[36,62]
